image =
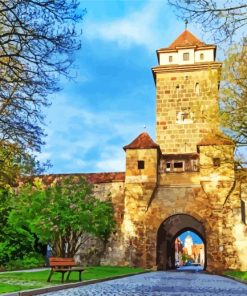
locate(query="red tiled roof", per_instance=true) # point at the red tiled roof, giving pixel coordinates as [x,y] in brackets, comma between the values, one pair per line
[215,139]
[143,141]
[94,178]
[186,39]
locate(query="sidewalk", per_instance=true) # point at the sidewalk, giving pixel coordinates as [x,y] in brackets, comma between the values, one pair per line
[27,270]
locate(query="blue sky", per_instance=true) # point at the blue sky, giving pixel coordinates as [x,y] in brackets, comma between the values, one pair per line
[196,239]
[113,95]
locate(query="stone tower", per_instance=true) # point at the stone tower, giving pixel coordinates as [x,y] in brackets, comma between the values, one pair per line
[187,80]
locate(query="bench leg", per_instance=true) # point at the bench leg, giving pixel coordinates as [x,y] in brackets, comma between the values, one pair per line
[49,278]
[80,276]
[63,276]
[68,275]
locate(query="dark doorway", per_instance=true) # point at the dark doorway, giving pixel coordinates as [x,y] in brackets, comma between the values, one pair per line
[168,231]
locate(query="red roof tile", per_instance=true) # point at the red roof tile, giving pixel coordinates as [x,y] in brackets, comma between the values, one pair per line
[215,139]
[143,141]
[94,178]
[186,39]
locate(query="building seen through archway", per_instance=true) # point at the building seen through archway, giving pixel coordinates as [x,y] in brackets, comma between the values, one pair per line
[189,250]
[175,246]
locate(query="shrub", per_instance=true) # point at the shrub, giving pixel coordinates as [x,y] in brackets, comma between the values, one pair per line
[32,260]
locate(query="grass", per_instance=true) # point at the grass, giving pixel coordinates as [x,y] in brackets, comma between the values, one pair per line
[18,281]
[242,275]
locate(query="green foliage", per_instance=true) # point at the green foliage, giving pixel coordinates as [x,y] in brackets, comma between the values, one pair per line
[15,242]
[233,93]
[32,260]
[63,214]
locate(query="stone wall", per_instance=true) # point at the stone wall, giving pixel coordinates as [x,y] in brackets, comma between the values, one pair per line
[186,108]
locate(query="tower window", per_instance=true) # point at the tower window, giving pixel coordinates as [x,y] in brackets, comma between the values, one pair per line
[216,162]
[243,212]
[201,56]
[186,56]
[197,88]
[140,164]
[168,166]
[178,166]
[170,59]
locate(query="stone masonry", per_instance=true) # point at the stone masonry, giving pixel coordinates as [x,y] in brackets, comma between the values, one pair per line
[187,179]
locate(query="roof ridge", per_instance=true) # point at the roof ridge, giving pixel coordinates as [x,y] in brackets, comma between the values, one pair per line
[186,38]
[143,141]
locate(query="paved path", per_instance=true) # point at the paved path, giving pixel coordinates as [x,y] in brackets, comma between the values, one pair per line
[161,284]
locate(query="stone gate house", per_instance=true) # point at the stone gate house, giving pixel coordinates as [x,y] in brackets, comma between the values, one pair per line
[186,180]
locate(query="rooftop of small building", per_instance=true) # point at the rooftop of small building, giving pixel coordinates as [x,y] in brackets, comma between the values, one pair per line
[186,39]
[216,139]
[143,141]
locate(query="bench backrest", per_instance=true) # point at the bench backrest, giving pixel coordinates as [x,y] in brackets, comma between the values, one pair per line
[56,261]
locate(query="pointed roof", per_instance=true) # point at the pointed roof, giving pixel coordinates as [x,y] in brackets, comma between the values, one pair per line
[186,39]
[143,141]
[216,139]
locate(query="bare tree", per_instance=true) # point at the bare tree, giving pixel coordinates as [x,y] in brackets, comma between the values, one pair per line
[37,42]
[222,18]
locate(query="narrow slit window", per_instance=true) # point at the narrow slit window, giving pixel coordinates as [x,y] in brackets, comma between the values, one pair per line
[170,59]
[201,56]
[243,211]
[197,88]
[141,164]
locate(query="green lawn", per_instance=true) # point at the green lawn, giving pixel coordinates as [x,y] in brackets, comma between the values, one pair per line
[17,281]
[237,274]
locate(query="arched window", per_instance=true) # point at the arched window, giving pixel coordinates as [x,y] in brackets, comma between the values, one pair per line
[197,88]
[201,56]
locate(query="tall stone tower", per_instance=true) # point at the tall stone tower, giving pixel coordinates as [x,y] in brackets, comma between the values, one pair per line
[187,80]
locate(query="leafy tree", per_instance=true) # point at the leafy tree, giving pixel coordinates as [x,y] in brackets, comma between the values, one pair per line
[38,39]
[15,162]
[233,94]
[64,214]
[223,19]
[15,242]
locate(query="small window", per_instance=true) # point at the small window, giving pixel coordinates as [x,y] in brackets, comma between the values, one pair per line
[201,56]
[178,165]
[170,59]
[141,164]
[168,166]
[216,162]
[186,56]
[197,88]
[243,214]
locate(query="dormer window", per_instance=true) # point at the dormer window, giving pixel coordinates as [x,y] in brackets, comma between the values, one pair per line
[201,56]
[186,56]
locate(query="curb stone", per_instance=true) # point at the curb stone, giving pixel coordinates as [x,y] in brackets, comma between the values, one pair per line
[235,279]
[68,286]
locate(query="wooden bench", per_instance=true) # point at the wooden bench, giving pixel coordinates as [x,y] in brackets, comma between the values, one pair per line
[63,265]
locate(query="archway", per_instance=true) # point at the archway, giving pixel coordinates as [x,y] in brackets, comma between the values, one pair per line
[168,231]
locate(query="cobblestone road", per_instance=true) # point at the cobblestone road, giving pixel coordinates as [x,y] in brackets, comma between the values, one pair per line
[161,284]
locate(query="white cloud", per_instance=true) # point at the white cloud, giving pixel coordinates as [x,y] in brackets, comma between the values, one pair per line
[137,28]
[112,159]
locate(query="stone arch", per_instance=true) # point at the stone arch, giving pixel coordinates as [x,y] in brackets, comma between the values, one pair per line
[171,228]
